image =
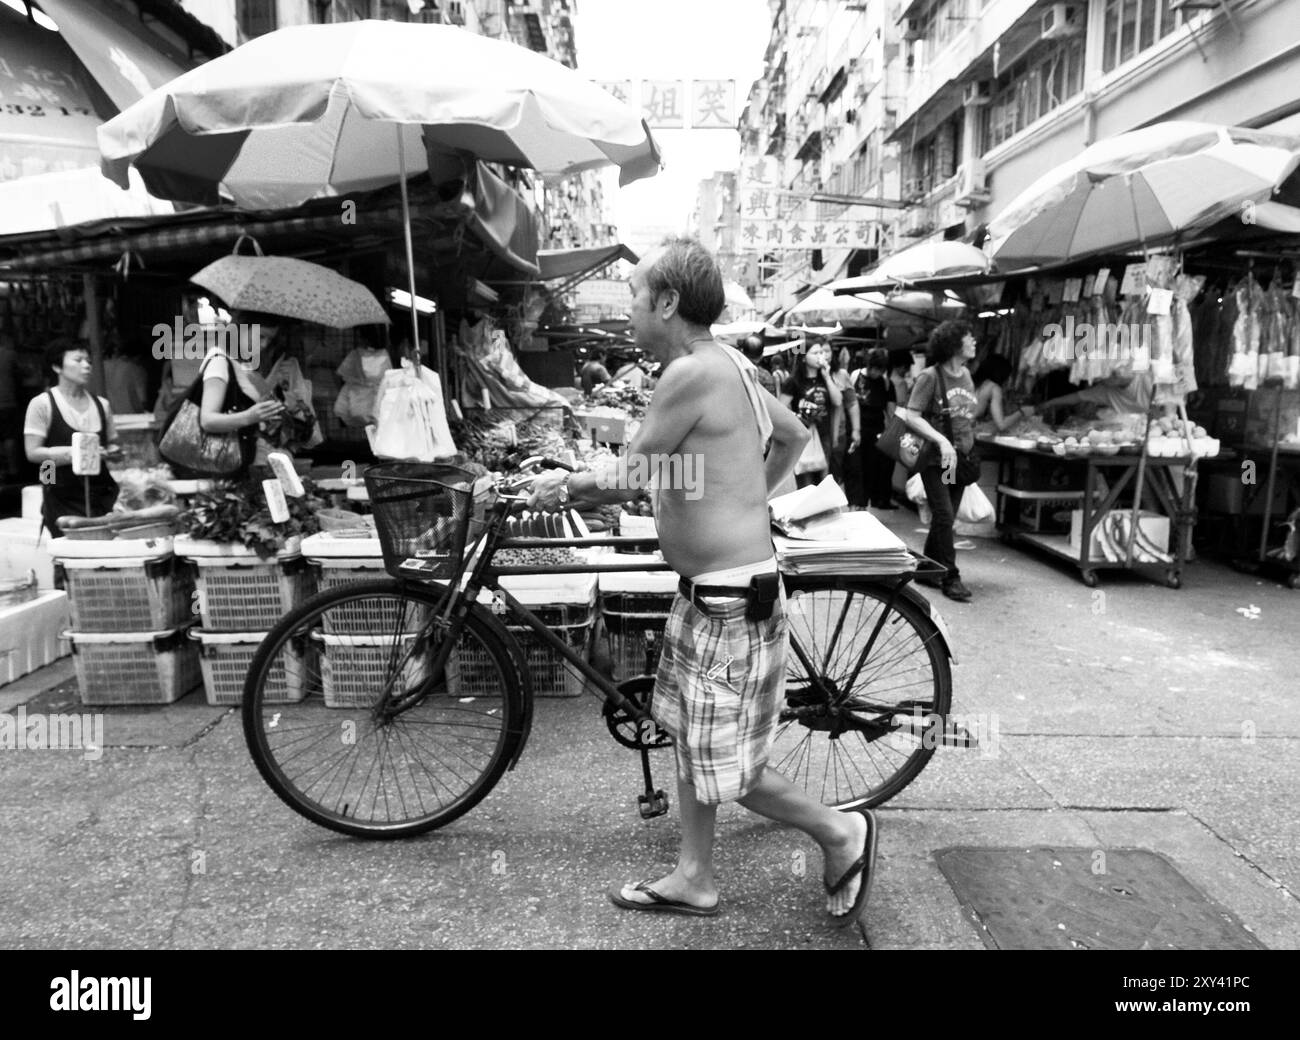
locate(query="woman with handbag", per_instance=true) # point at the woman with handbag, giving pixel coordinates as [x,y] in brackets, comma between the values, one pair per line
[234,400]
[813,394]
[945,393]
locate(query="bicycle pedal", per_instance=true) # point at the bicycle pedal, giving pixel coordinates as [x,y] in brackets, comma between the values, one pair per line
[652,805]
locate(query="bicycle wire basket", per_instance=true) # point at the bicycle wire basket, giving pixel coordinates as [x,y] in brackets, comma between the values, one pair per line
[423,513]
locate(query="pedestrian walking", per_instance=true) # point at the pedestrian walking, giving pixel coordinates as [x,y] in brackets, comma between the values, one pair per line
[813,393]
[722,671]
[943,398]
[876,403]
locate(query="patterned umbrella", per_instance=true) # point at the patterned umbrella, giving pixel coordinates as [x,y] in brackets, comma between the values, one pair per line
[292,288]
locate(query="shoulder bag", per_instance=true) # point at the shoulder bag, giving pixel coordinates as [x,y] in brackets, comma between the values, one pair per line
[967,470]
[901,443]
[185,444]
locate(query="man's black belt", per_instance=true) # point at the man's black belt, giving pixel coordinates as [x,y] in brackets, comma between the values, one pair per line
[690,590]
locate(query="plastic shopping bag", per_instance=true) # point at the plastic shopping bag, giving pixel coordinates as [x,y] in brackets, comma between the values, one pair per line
[288,385]
[975,506]
[813,459]
[362,373]
[915,489]
[410,422]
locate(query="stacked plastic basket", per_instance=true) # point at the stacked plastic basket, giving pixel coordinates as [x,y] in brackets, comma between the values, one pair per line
[131,605]
[634,608]
[240,596]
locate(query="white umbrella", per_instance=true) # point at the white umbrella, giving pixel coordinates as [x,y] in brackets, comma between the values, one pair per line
[871,309]
[1139,189]
[929,260]
[322,110]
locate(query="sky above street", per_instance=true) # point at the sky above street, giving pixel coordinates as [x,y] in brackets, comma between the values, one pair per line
[672,39]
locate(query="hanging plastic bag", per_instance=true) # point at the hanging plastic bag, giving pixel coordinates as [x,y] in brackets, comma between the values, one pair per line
[410,422]
[287,384]
[975,506]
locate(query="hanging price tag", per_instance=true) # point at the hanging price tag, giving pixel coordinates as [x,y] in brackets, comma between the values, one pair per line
[1070,294]
[1085,290]
[1158,301]
[85,454]
[1054,288]
[1099,283]
[1135,280]
[1295,287]
[275,500]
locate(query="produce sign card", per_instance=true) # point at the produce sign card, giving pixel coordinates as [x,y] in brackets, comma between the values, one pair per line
[1070,294]
[1099,283]
[1135,280]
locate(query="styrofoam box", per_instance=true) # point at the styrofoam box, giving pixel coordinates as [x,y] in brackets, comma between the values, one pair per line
[31,635]
[544,590]
[636,581]
[200,549]
[117,549]
[25,547]
[329,546]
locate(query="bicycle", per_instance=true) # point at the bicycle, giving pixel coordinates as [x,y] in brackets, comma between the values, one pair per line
[388,708]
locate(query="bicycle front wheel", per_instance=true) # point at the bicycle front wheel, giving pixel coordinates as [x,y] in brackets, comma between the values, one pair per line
[867,685]
[361,718]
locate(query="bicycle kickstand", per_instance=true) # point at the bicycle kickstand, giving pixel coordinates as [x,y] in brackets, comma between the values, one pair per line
[654,802]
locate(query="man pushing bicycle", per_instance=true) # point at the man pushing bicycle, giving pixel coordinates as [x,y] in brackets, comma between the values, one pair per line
[721,675]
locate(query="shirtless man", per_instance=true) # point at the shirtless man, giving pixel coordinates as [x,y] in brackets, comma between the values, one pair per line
[721,675]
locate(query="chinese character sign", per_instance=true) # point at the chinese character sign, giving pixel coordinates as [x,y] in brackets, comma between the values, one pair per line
[762,235]
[714,104]
[662,103]
[668,104]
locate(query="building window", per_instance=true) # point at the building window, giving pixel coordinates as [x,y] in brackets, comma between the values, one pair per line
[1030,89]
[1133,26]
[255,17]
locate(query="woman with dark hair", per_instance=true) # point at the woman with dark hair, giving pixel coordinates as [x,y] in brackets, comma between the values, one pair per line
[813,394]
[876,403]
[944,397]
[990,378]
[52,418]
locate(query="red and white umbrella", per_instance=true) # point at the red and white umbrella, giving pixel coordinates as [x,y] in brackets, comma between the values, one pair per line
[322,110]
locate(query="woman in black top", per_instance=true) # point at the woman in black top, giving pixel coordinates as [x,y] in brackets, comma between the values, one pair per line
[876,404]
[812,394]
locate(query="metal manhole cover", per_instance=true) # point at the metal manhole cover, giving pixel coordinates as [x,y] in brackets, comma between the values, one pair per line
[1074,899]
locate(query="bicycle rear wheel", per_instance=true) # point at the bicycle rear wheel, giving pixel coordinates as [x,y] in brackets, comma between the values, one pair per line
[855,663]
[355,725]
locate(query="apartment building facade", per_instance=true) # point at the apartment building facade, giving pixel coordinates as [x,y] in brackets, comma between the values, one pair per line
[953,107]
[997,92]
[571,213]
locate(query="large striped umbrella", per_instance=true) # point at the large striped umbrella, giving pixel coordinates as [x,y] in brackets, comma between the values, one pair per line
[1140,189]
[323,110]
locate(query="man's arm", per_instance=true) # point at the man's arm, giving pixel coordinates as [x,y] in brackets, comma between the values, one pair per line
[676,407]
[789,436]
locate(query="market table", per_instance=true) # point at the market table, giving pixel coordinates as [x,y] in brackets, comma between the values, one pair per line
[1105,478]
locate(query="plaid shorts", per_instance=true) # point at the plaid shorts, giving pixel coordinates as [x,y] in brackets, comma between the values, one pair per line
[718,694]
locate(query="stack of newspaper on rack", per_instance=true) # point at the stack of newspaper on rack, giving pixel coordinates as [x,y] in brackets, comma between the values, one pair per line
[818,536]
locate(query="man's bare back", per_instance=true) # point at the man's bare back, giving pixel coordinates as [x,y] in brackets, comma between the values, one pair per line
[727,526]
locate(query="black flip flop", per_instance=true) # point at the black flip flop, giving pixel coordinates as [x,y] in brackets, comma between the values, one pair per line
[864,865]
[659,904]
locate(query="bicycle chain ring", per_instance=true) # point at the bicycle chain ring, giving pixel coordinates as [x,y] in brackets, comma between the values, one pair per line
[639,736]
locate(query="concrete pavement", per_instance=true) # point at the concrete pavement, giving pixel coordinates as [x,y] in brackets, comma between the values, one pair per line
[1144,718]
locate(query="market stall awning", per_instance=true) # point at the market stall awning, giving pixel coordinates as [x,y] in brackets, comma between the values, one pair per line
[571,263]
[497,219]
[56,200]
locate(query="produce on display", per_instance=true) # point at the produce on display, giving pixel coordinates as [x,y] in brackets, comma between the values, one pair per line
[237,513]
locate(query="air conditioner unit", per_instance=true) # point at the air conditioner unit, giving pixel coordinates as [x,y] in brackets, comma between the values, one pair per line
[972,184]
[915,224]
[1060,20]
[912,29]
[977,93]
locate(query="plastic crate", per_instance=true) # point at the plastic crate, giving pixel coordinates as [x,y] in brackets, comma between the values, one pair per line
[635,623]
[128,595]
[135,667]
[225,657]
[242,594]
[354,667]
[551,674]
